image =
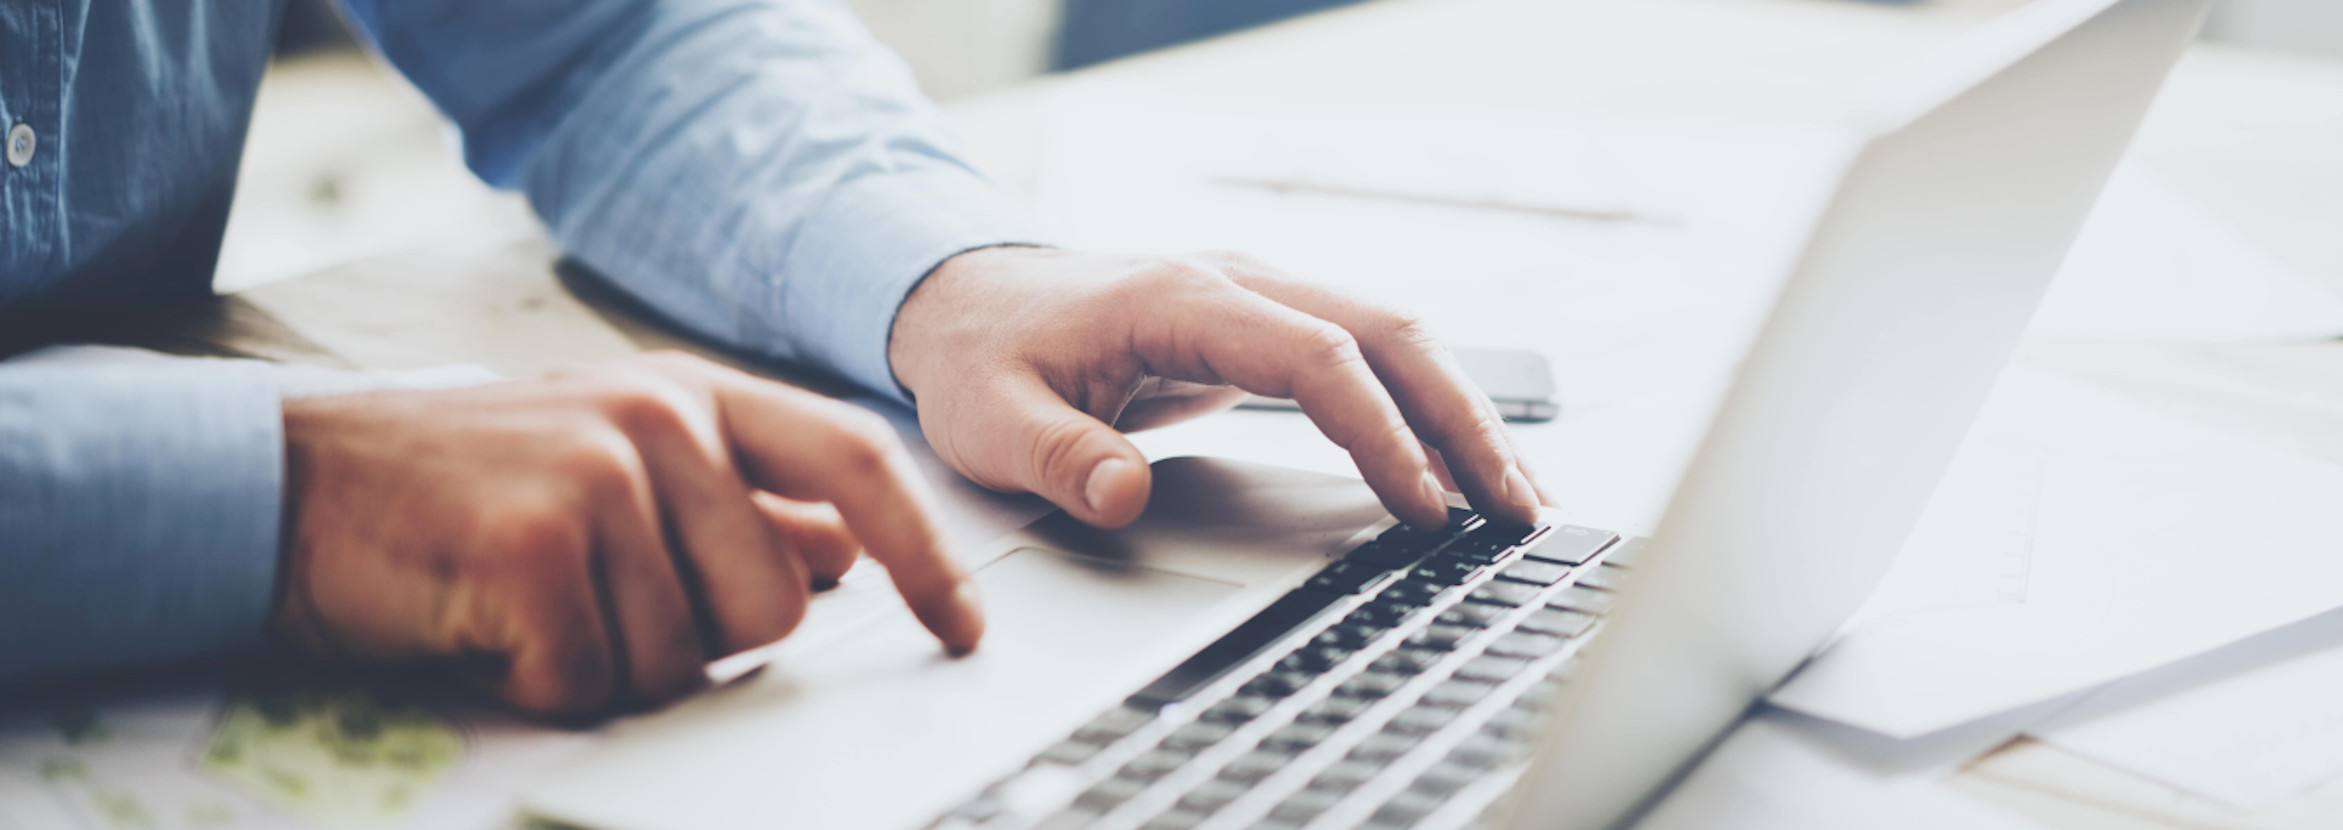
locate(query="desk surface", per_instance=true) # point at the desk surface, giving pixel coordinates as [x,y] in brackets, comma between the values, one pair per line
[2250,134]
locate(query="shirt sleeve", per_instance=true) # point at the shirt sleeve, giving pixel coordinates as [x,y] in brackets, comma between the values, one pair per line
[762,171]
[139,511]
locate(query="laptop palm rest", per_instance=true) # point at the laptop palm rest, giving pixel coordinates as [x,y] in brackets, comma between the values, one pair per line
[875,727]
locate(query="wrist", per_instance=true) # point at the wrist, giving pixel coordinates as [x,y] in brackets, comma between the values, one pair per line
[925,322]
[293,613]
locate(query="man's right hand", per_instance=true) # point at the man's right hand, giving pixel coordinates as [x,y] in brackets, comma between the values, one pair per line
[593,539]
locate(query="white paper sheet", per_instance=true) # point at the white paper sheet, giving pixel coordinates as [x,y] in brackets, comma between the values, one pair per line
[2153,264]
[1777,773]
[2154,540]
[2250,725]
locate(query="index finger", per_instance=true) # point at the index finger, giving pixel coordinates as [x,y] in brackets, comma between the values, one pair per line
[811,448]
[1440,401]
[1226,334]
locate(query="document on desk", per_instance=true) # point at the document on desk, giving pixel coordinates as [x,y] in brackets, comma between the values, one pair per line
[2251,725]
[2153,540]
[1775,773]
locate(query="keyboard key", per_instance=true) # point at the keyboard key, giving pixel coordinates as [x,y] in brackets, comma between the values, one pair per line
[1197,735]
[1212,795]
[1313,659]
[1071,818]
[1297,737]
[1277,683]
[1105,795]
[1334,710]
[1503,593]
[1253,766]
[978,810]
[1346,576]
[1485,751]
[1471,615]
[1406,535]
[1525,645]
[1347,635]
[1344,776]
[1238,709]
[1409,660]
[1420,720]
[1174,820]
[1444,779]
[1606,577]
[1153,764]
[1570,544]
[1406,808]
[1560,622]
[1490,668]
[1380,613]
[1442,571]
[1412,591]
[1456,694]
[1112,725]
[1371,685]
[1384,746]
[1069,752]
[1384,554]
[1584,599]
[1304,805]
[1504,532]
[1475,549]
[1442,637]
[1535,572]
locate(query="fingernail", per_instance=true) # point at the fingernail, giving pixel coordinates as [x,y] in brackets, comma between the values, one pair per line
[1102,480]
[1518,489]
[1435,492]
[969,623]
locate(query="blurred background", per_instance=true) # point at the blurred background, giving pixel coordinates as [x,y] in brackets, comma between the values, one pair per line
[346,162]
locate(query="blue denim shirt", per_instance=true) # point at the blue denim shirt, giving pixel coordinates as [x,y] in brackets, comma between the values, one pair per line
[761,170]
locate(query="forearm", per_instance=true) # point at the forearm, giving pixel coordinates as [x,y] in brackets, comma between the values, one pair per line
[762,171]
[139,511]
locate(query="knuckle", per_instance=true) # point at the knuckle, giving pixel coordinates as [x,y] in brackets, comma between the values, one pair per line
[642,404]
[1230,257]
[537,542]
[1404,328]
[866,443]
[1327,344]
[601,460]
[1183,275]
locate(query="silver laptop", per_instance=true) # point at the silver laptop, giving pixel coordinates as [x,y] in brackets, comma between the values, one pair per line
[1265,648]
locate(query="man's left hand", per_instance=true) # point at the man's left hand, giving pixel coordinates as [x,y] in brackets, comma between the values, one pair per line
[1028,363]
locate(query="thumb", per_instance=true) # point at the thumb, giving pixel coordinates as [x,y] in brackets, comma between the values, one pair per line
[1031,439]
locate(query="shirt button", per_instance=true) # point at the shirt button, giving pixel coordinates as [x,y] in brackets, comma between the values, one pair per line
[21,143]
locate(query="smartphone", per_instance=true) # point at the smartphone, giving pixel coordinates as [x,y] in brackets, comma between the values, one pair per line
[1520,381]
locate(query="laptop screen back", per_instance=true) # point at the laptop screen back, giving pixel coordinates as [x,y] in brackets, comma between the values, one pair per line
[1913,289]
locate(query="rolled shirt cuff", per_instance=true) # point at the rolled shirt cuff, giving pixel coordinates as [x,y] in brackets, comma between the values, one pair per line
[140,509]
[875,238]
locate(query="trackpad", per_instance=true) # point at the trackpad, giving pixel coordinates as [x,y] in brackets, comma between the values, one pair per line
[1088,608]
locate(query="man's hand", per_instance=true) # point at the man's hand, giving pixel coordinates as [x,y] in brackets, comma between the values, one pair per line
[595,538]
[1025,362]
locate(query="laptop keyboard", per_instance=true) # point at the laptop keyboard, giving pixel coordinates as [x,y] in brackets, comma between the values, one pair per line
[1400,687]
